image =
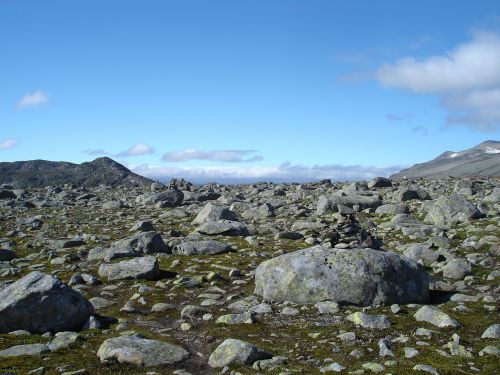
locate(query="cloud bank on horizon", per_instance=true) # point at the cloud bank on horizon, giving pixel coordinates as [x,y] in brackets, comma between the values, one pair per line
[285,172]
[228,156]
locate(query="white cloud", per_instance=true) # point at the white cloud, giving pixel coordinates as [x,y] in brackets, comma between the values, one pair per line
[33,99]
[137,150]
[470,65]
[467,79]
[285,172]
[7,144]
[230,156]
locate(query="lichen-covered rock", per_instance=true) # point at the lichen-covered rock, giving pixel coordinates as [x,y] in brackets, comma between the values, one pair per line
[138,268]
[369,321]
[41,303]
[435,316]
[243,318]
[236,352]
[353,276]
[139,351]
[447,210]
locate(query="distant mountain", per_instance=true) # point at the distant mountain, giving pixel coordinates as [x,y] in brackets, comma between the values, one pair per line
[480,161]
[37,173]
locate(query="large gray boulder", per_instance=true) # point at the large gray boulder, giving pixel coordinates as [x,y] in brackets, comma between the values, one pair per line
[353,276]
[138,268]
[143,242]
[214,212]
[327,204]
[41,303]
[209,247]
[379,182]
[137,350]
[263,211]
[448,210]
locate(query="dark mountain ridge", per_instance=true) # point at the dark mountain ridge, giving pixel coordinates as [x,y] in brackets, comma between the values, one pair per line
[39,173]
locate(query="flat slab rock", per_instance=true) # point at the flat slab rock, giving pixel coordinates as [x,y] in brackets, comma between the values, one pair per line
[348,276]
[210,247]
[140,351]
[41,303]
[28,349]
[138,268]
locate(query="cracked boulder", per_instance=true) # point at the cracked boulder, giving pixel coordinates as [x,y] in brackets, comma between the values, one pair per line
[41,303]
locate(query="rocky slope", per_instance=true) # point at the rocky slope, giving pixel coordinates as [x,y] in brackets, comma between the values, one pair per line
[355,278]
[482,160]
[37,173]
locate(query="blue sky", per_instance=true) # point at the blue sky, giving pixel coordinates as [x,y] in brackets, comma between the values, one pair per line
[248,90]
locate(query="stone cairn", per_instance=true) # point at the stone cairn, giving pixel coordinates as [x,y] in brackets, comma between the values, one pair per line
[348,233]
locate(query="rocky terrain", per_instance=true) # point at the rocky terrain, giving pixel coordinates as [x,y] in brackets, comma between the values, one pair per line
[482,160]
[39,173]
[358,278]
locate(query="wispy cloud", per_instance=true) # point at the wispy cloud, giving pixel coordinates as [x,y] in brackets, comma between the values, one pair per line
[467,79]
[96,151]
[285,172]
[33,99]
[396,117]
[229,156]
[7,144]
[137,150]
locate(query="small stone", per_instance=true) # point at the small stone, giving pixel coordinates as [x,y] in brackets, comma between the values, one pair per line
[490,350]
[411,352]
[385,346]
[374,367]
[369,321]
[236,352]
[327,307]
[492,332]
[289,311]
[244,318]
[333,367]
[425,368]
[396,309]
[63,340]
